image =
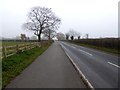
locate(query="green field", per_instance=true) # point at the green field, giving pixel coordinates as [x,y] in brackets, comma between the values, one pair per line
[11,43]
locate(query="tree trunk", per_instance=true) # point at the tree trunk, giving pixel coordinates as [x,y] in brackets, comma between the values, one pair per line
[49,34]
[39,34]
[39,38]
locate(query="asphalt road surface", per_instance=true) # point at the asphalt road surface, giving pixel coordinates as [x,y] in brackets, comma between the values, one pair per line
[101,69]
[52,69]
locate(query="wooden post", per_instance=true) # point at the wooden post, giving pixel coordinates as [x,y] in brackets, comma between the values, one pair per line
[24,46]
[4,52]
[39,44]
[30,45]
[17,48]
[35,44]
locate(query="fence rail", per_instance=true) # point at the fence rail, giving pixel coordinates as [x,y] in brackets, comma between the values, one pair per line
[7,51]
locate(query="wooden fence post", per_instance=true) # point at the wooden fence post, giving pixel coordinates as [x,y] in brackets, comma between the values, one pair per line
[30,45]
[38,44]
[17,48]
[4,52]
[24,46]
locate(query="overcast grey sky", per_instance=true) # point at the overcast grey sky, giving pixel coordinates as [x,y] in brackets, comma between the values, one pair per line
[98,18]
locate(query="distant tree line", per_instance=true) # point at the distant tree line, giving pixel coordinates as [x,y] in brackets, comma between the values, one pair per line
[72,34]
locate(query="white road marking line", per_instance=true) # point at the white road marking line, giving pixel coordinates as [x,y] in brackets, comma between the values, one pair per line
[72,46]
[79,49]
[114,65]
[80,72]
[86,52]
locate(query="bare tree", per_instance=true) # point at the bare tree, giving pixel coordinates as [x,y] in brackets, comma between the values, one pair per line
[87,35]
[74,34]
[67,36]
[72,37]
[41,19]
[23,37]
[49,33]
[78,35]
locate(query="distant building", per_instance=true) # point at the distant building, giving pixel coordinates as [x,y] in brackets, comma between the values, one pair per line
[60,36]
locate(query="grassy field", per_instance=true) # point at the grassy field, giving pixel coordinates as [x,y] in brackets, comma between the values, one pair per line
[12,43]
[15,64]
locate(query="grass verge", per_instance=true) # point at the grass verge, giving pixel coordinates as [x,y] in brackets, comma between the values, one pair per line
[107,50]
[14,65]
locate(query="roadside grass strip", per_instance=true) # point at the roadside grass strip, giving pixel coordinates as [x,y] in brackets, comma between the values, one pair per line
[104,49]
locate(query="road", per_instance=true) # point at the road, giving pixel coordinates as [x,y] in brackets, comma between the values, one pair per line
[52,69]
[101,69]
